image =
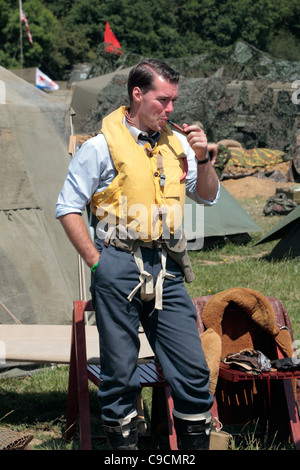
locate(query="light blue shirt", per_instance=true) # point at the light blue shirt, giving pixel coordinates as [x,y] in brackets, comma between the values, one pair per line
[92,170]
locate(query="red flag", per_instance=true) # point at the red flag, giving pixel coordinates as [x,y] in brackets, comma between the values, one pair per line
[23,18]
[111,44]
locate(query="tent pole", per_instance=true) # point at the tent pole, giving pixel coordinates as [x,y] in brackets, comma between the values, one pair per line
[81,276]
[10,313]
[21,39]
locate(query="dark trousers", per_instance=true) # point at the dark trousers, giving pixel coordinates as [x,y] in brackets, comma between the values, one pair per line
[171,332]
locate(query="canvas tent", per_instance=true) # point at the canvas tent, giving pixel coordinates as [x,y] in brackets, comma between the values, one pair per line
[225,219]
[85,95]
[38,266]
[288,231]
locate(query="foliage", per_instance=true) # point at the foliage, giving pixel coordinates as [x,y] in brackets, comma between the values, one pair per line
[67,32]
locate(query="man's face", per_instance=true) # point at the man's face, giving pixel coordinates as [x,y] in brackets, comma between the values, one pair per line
[154,107]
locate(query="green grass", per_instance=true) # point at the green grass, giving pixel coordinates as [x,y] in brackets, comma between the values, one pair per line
[37,402]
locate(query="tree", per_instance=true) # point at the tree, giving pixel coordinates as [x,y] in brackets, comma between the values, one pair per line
[43,26]
[66,32]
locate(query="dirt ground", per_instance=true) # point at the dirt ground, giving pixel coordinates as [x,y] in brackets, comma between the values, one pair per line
[252,186]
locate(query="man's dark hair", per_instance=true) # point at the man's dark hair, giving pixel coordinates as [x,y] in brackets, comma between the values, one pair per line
[143,74]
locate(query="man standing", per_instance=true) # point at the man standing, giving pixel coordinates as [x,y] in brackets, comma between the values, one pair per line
[135,177]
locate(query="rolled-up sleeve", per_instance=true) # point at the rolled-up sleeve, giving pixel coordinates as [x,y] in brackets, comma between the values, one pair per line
[91,170]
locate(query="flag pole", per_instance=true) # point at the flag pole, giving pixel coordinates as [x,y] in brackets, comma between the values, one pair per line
[21,37]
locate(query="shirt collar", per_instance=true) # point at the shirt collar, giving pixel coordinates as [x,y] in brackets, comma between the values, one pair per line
[135,132]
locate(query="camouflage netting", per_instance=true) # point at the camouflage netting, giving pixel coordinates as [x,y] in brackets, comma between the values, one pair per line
[240,61]
[256,113]
[243,94]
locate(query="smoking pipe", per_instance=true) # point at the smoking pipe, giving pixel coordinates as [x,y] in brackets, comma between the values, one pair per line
[177,127]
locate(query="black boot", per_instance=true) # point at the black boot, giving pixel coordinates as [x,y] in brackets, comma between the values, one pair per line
[192,435]
[121,437]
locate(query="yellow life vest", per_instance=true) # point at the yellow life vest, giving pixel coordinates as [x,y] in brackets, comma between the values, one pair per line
[136,197]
